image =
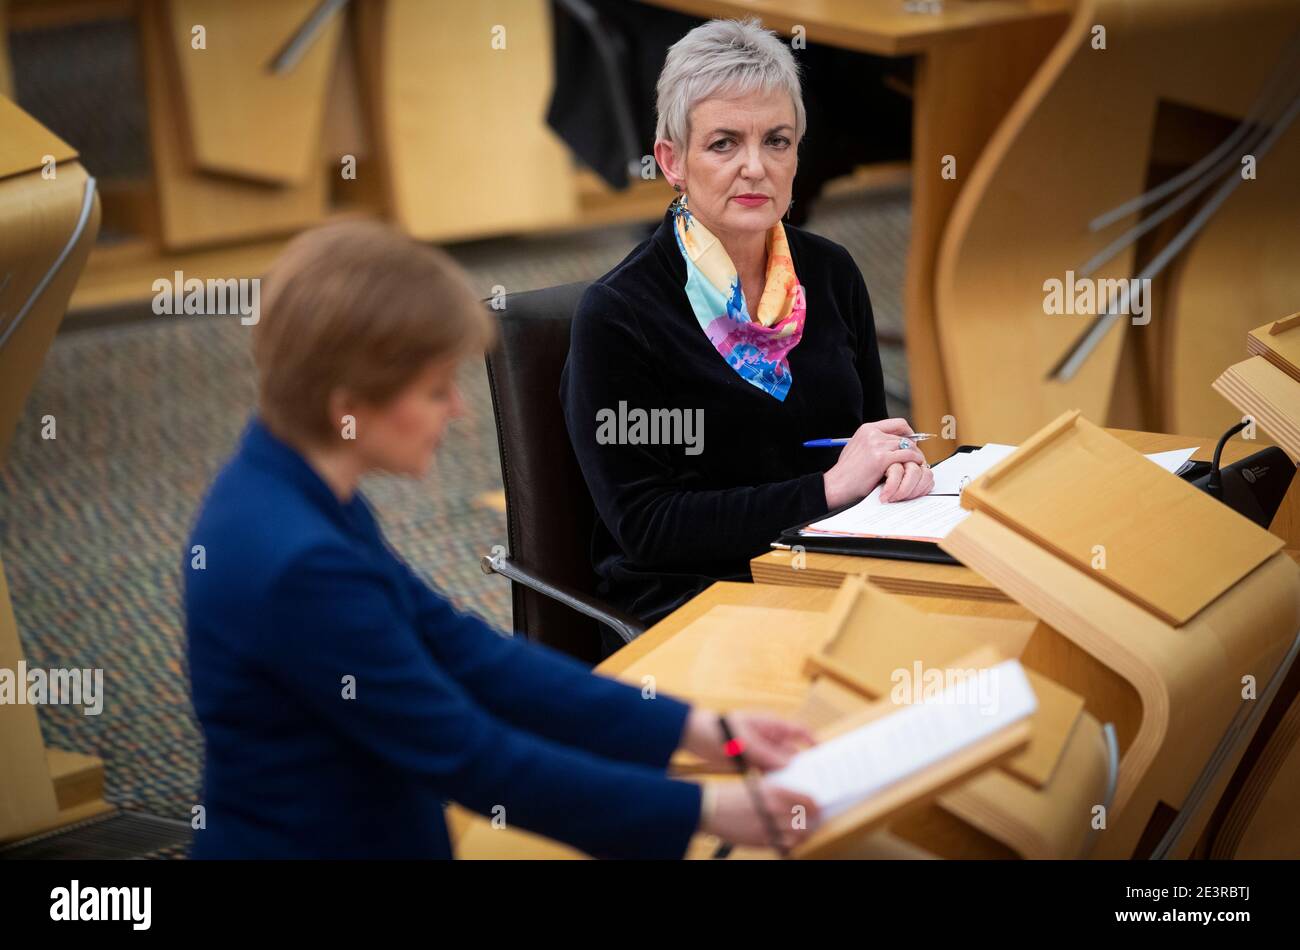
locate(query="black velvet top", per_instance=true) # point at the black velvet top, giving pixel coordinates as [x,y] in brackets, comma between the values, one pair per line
[676,517]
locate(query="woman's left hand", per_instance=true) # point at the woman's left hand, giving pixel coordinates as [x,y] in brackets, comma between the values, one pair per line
[902,482]
[769,741]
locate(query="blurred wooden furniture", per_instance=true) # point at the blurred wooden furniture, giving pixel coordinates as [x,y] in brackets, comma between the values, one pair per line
[205,194]
[396,108]
[1034,808]
[459,92]
[49,215]
[1095,128]
[243,117]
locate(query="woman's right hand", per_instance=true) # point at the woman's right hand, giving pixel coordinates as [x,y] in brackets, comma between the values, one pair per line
[864,461]
[733,817]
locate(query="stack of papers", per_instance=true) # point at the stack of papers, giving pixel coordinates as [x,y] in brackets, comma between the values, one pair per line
[931,517]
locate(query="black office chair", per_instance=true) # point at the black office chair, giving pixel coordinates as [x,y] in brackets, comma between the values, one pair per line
[549,511]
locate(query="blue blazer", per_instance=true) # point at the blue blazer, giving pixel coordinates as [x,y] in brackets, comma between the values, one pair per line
[344,702]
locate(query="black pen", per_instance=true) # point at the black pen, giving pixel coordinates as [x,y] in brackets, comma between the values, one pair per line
[735,749]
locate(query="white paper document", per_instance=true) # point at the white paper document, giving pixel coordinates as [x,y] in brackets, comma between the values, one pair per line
[932,517]
[958,470]
[1172,461]
[845,770]
[928,518]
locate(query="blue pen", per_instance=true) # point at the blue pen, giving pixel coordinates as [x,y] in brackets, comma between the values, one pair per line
[833,443]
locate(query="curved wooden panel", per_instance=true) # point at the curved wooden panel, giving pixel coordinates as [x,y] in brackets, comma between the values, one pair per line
[1187,700]
[1262,822]
[39,216]
[1053,822]
[1076,144]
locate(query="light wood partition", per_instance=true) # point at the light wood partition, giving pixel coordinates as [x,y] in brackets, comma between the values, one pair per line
[194,207]
[38,213]
[239,117]
[44,218]
[459,96]
[27,799]
[1078,143]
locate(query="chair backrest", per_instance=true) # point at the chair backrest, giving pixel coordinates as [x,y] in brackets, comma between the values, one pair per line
[549,512]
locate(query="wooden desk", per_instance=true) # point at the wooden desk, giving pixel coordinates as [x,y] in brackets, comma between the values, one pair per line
[961,824]
[813,569]
[972,62]
[994,815]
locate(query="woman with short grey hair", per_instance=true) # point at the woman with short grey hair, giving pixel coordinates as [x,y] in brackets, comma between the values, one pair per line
[761,331]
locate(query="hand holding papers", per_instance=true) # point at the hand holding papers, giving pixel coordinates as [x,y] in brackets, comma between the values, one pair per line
[879,765]
[928,518]
[843,771]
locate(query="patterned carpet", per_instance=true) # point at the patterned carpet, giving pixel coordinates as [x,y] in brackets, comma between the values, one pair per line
[93,522]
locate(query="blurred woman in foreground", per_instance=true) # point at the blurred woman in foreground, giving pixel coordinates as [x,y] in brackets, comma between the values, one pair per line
[343,700]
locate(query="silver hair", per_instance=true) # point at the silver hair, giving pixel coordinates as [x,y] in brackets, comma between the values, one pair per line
[737,56]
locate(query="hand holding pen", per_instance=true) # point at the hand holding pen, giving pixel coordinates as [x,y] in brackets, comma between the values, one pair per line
[866,461]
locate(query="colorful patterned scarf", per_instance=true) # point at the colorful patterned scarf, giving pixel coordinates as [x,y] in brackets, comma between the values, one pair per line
[755,348]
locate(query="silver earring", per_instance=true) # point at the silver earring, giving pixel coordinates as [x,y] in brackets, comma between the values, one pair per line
[787,209]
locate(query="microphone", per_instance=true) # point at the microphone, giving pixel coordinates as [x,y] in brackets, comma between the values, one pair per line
[1254,486]
[1214,486]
